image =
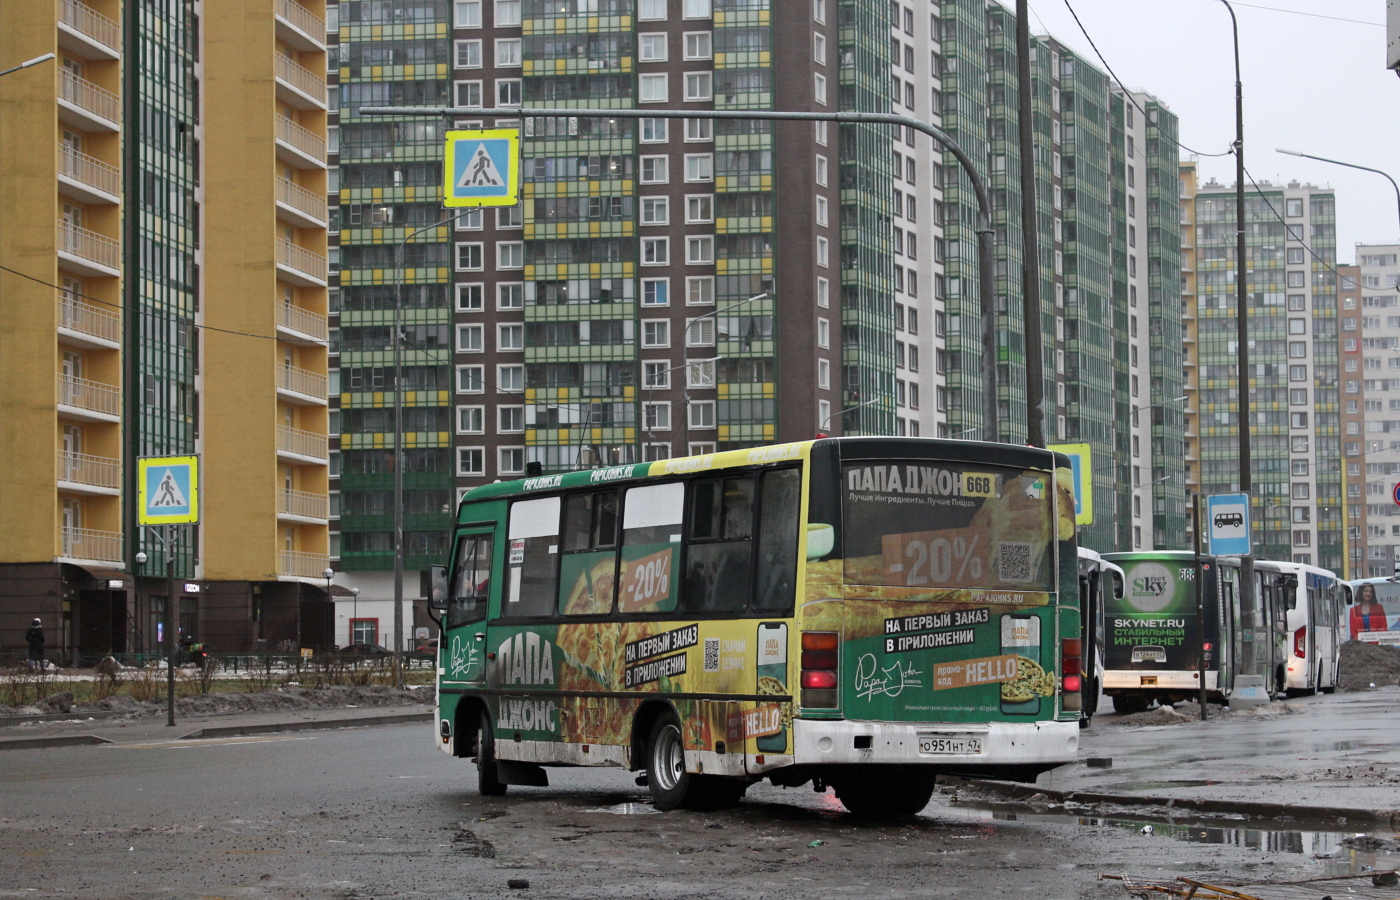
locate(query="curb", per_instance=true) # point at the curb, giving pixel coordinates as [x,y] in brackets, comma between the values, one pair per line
[311,725]
[1251,809]
[10,721]
[71,740]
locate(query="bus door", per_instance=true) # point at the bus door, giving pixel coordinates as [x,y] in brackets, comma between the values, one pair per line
[1222,586]
[462,656]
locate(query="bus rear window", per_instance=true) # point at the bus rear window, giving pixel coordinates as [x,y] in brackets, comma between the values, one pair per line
[948,525]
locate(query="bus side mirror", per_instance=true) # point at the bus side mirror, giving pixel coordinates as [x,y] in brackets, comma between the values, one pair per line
[437,595]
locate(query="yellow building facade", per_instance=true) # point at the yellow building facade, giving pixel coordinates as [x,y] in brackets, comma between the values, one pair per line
[163,293]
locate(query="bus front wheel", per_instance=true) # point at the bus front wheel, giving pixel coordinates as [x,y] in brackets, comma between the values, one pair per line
[671,786]
[883,795]
[487,782]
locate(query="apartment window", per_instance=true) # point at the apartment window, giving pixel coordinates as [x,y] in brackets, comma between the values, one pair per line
[471,419]
[508,52]
[819,88]
[467,13]
[1298,420]
[653,131]
[510,419]
[469,220]
[651,10]
[699,86]
[510,338]
[509,217]
[699,251]
[822,210]
[510,379]
[468,93]
[1298,396]
[819,48]
[1297,326]
[700,290]
[470,297]
[468,54]
[469,258]
[819,133]
[1295,256]
[656,416]
[1297,373]
[510,254]
[700,374]
[699,208]
[656,333]
[655,170]
[823,252]
[651,47]
[698,45]
[470,338]
[699,167]
[1293,206]
[508,92]
[656,292]
[511,460]
[819,11]
[1299,443]
[470,379]
[656,252]
[1301,491]
[1297,279]
[821,171]
[695,9]
[824,333]
[656,374]
[701,413]
[1299,467]
[823,293]
[471,461]
[510,295]
[507,13]
[656,210]
[652,88]
[699,130]
[1298,349]
[700,332]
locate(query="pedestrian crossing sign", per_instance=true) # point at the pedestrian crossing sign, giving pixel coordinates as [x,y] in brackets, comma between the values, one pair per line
[482,168]
[168,490]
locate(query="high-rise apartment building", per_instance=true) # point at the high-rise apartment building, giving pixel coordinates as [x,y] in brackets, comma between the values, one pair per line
[1370,342]
[163,294]
[1294,366]
[678,286]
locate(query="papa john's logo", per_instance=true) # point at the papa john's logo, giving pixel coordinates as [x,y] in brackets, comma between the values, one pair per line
[525,658]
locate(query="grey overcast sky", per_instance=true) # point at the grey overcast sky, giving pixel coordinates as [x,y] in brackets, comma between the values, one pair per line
[1312,83]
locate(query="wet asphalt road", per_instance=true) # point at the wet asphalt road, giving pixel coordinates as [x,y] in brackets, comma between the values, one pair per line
[378,812]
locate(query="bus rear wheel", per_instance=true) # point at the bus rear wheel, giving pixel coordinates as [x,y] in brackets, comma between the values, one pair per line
[883,795]
[671,786]
[487,782]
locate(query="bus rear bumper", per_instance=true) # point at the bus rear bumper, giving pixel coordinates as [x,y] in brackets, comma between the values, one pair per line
[841,742]
[1131,679]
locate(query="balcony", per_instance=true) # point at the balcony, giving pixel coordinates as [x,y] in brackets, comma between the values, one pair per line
[301,266]
[81,473]
[91,401]
[84,32]
[299,147]
[87,178]
[87,252]
[299,27]
[296,445]
[302,506]
[87,106]
[301,387]
[295,564]
[301,325]
[83,324]
[300,207]
[298,86]
[86,545]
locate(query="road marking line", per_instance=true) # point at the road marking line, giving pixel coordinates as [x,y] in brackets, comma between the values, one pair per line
[187,745]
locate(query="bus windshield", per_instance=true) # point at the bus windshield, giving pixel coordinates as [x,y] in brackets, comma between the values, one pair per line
[949,525]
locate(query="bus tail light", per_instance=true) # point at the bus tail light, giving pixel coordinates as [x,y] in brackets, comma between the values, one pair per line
[1071,665]
[1300,642]
[820,667]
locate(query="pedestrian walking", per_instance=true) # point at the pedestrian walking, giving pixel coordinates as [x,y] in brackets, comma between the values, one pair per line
[35,638]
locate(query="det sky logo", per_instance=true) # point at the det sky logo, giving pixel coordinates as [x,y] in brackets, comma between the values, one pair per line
[1151,587]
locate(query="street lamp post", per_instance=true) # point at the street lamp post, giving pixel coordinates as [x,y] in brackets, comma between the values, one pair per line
[354,613]
[1135,409]
[1338,162]
[27,63]
[327,573]
[842,412]
[649,386]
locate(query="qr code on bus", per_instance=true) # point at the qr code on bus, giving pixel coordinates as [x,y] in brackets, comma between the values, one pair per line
[1014,562]
[711,654]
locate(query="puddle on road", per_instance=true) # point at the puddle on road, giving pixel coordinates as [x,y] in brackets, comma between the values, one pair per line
[1335,852]
[627,809]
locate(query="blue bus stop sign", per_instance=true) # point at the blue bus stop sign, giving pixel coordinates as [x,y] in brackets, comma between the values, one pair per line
[1227,525]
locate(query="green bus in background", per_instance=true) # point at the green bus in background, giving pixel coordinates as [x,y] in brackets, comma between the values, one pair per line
[1154,641]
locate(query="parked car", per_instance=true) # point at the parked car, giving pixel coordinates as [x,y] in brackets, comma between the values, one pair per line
[364,650]
[426,649]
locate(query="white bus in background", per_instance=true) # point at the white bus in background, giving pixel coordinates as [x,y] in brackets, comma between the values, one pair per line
[1100,584]
[1312,603]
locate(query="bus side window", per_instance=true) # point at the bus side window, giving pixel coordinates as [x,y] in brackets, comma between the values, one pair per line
[588,565]
[651,548]
[719,554]
[471,580]
[778,509]
[533,559]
